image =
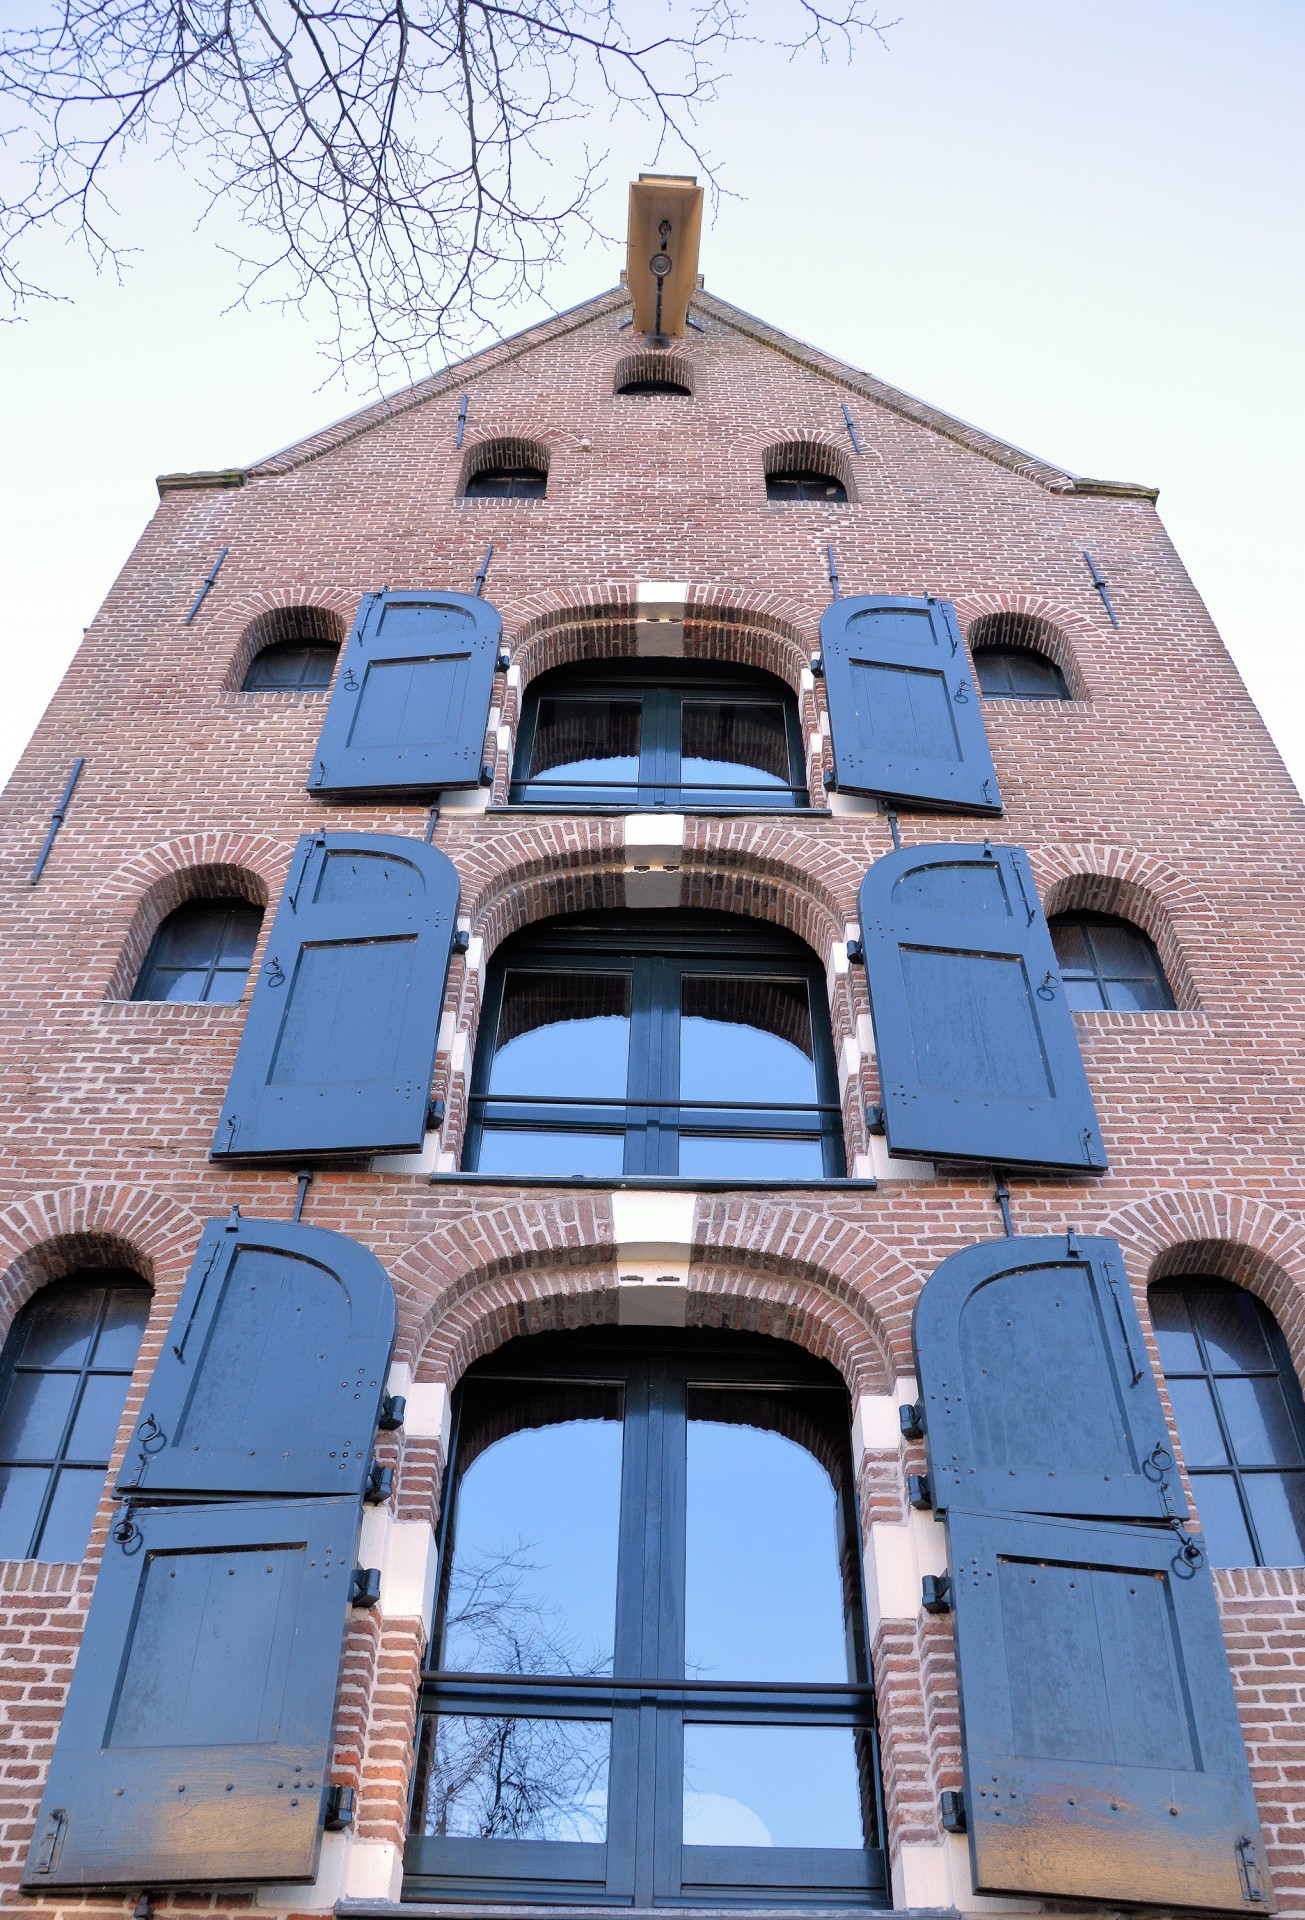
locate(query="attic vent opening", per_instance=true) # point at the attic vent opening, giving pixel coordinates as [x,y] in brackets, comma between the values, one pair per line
[645,373]
[807,472]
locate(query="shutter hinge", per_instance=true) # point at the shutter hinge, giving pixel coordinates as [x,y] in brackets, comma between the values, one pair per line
[340,1805]
[936,1593]
[435,1116]
[504,660]
[487,774]
[365,1587]
[951,1806]
[874,1120]
[48,1850]
[911,1420]
[394,1408]
[919,1492]
[1248,1868]
[856,953]
[379,1490]
[461,940]
[818,666]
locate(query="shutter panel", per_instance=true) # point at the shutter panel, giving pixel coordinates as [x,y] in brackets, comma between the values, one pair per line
[339,1042]
[978,1057]
[1035,1383]
[411,699]
[198,1726]
[1102,1751]
[903,708]
[272,1372]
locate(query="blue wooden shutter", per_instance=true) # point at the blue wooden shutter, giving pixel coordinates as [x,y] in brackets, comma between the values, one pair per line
[1103,1756]
[978,1057]
[339,1042]
[411,699]
[272,1372]
[903,709]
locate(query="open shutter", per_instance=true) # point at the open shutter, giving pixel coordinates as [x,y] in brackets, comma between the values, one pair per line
[903,708]
[272,1373]
[198,1727]
[339,1042]
[1036,1387]
[978,1057]
[411,699]
[1102,1751]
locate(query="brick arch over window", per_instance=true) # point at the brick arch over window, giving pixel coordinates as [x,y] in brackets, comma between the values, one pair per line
[49,1235]
[295,623]
[1016,626]
[1146,892]
[134,901]
[502,450]
[674,368]
[811,455]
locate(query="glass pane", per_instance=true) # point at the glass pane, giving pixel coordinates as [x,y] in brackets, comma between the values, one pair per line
[22,1490]
[563,1033]
[595,1156]
[1260,1427]
[744,1038]
[34,1414]
[1083,996]
[764,1596]
[240,937]
[226,986]
[1122,952]
[1138,996]
[1277,1502]
[1222,1520]
[68,1524]
[510,1778]
[163,984]
[712,1157]
[1232,1329]
[1198,1425]
[587,740]
[748,1786]
[1070,942]
[96,1426]
[124,1323]
[1172,1321]
[733,743]
[191,937]
[58,1325]
[532,1582]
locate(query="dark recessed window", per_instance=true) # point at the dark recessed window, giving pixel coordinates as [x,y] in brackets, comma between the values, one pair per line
[1018,673]
[1108,962]
[290,668]
[691,1044]
[655,386]
[649,1679]
[201,952]
[507,483]
[806,485]
[64,1375]
[1241,1419]
[627,736]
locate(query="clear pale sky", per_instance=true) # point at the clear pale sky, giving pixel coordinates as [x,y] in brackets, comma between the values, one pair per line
[1078,226]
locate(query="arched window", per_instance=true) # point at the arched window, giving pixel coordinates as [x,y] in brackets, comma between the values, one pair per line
[806,485]
[683,735]
[1018,673]
[64,1375]
[649,1674]
[1241,1419]
[289,666]
[1108,962]
[507,483]
[695,1044]
[201,952]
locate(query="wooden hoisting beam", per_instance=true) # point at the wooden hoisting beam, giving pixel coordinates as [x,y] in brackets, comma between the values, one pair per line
[665,226]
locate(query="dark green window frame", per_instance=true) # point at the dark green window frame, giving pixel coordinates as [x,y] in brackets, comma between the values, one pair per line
[643,1861]
[661,692]
[1133,981]
[216,965]
[1018,673]
[657,951]
[291,666]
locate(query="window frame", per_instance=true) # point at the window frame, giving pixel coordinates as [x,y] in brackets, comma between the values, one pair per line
[638,1855]
[311,650]
[1084,920]
[659,950]
[800,478]
[526,475]
[150,964]
[662,693]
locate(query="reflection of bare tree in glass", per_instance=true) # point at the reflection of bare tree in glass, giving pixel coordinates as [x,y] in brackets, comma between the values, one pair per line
[508,1776]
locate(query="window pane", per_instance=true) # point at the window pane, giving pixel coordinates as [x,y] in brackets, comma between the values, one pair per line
[1138,996]
[1173,1331]
[563,1033]
[1083,996]
[1260,1427]
[745,1038]
[512,1778]
[592,1156]
[224,988]
[1198,1425]
[68,1524]
[191,937]
[587,740]
[58,1326]
[239,937]
[21,1491]
[1121,951]
[1232,1329]
[1070,942]
[124,1323]
[163,983]
[719,1157]
[34,1414]
[96,1427]
[749,1786]
[732,743]
[764,1596]
[1278,1509]
[1222,1520]
[532,1583]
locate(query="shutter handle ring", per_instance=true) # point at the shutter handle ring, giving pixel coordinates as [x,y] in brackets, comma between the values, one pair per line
[1047,991]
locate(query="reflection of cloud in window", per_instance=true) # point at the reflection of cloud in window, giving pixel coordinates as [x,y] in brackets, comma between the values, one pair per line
[714,1820]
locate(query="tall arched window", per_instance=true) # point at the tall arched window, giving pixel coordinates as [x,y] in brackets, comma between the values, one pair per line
[1107,962]
[201,951]
[64,1374]
[1241,1419]
[649,1678]
[695,1044]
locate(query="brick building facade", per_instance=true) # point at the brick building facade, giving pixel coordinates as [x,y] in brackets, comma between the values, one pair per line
[1151,793]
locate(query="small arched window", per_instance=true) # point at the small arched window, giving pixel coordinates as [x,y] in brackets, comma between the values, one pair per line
[1018,673]
[64,1375]
[507,483]
[1240,1416]
[201,952]
[804,485]
[652,385]
[1107,962]
[289,667]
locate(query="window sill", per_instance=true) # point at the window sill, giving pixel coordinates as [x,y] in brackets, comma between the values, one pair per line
[490,1909]
[176,1009]
[653,1182]
[551,809]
